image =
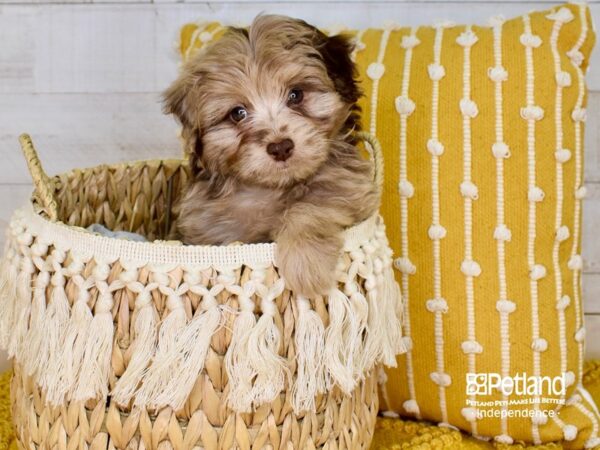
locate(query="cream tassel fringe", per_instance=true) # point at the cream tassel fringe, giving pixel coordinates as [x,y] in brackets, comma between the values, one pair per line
[263,344]
[391,305]
[32,351]
[55,321]
[373,341]
[157,376]
[341,339]
[8,294]
[5,263]
[384,335]
[92,380]
[30,342]
[23,303]
[310,343]
[191,350]
[4,258]
[394,305]
[360,307]
[20,345]
[237,359]
[66,367]
[142,348]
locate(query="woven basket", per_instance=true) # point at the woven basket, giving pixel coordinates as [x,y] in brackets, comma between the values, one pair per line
[122,344]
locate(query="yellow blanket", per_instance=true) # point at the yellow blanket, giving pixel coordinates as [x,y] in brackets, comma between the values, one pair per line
[389,434]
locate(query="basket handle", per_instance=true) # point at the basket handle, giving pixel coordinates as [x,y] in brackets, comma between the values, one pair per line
[44,187]
[377,154]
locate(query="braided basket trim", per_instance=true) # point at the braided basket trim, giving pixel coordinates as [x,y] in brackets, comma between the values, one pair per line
[82,242]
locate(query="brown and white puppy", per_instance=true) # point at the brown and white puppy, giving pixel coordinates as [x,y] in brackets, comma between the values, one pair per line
[267,116]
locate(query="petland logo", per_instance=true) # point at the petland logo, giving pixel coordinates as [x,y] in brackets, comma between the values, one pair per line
[519,384]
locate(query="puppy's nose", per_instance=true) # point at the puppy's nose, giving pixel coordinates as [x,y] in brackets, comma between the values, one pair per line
[282,150]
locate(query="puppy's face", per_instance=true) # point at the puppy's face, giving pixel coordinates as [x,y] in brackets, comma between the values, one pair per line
[263,105]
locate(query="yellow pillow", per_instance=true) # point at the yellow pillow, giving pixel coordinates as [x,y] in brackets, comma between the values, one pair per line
[482,129]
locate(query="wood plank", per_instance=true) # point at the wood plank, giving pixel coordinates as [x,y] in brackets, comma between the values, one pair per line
[101,48]
[39,2]
[591,292]
[591,224]
[461,3]
[123,47]
[72,130]
[139,2]
[592,331]
[592,139]
[17,58]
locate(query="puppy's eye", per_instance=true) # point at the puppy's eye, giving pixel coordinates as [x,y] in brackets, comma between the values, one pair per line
[295,97]
[238,114]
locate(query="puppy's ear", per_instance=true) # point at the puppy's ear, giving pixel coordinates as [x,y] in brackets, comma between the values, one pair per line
[336,51]
[179,100]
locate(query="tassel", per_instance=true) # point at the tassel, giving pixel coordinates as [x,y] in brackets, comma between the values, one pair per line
[374,335]
[32,348]
[54,324]
[5,262]
[31,341]
[64,369]
[8,293]
[92,380]
[8,279]
[142,348]
[191,350]
[360,307]
[341,338]
[310,346]
[263,346]
[157,376]
[357,347]
[384,333]
[22,308]
[392,301]
[237,359]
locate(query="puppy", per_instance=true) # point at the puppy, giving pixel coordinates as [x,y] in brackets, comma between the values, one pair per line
[267,116]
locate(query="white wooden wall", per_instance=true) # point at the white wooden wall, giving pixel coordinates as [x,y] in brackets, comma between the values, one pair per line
[83,77]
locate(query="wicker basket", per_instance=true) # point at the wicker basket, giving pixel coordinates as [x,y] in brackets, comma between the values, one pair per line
[122,344]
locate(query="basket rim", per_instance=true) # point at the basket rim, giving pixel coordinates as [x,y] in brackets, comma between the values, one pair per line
[88,245]
[124,164]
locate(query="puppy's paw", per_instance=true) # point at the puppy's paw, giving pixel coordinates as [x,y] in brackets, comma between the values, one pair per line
[309,268]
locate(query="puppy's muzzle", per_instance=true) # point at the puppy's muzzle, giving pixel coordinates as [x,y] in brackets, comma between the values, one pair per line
[282,150]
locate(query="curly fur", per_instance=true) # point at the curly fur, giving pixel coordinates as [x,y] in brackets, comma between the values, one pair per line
[240,192]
